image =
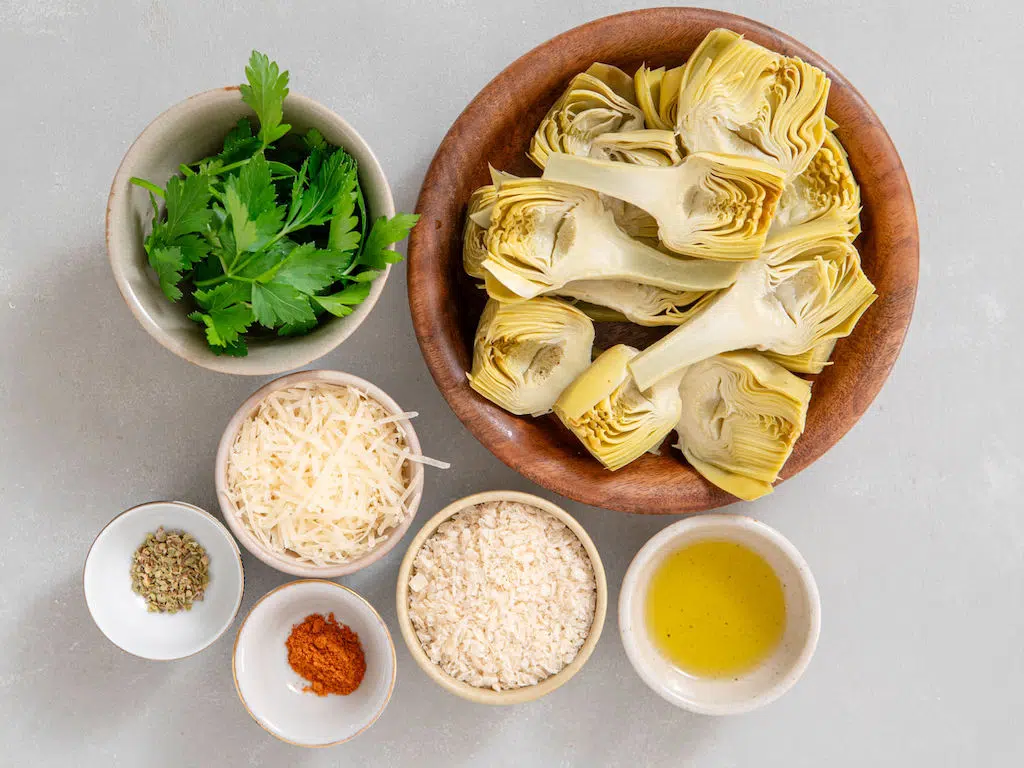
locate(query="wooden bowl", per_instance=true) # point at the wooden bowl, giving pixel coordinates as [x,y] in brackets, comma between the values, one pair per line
[496,128]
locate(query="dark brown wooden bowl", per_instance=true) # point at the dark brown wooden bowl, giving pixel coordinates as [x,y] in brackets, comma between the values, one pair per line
[496,128]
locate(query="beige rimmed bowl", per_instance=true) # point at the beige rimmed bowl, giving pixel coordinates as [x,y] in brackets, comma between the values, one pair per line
[273,693]
[728,695]
[189,131]
[485,695]
[287,562]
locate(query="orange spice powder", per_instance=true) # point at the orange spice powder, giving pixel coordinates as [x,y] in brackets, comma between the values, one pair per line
[327,654]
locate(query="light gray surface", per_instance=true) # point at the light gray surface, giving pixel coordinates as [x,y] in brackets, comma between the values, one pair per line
[913,524]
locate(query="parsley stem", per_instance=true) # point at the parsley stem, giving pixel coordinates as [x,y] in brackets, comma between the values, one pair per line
[148,185]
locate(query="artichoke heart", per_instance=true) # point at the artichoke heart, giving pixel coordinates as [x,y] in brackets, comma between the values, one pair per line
[739,98]
[825,188]
[598,101]
[613,419]
[648,147]
[807,289]
[741,415]
[657,93]
[709,206]
[543,235]
[474,235]
[526,353]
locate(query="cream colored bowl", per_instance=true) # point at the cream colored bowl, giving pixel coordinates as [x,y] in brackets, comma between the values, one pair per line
[767,682]
[515,695]
[289,563]
[272,692]
[190,131]
[121,614]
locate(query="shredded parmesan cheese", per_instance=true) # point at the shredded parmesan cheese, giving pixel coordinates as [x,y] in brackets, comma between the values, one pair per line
[502,596]
[321,471]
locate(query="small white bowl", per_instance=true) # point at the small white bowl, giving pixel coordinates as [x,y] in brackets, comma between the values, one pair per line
[121,614]
[513,695]
[189,131]
[774,676]
[272,692]
[288,563]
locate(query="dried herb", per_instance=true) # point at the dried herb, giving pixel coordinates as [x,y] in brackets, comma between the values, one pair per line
[171,570]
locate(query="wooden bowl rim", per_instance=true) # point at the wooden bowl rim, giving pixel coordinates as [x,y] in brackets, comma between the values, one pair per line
[438,340]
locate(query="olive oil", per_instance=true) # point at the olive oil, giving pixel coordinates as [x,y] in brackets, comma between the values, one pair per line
[715,609]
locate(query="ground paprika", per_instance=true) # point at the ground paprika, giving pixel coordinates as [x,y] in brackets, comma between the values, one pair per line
[327,654]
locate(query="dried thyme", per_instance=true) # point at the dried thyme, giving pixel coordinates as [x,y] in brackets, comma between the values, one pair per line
[171,570]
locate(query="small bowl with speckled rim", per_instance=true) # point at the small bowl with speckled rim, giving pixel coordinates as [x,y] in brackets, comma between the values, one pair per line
[513,695]
[731,695]
[191,130]
[288,562]
[121,614]
[273,693]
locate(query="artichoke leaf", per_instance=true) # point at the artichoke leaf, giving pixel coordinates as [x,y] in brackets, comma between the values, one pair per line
[544,235]
[474,234]
[615,421]
[657,93]
[741,416]
[526,353]
[738,97]
[814,360]
[709,206]
[806,289]
[598,101]
[621,300]
[647,147]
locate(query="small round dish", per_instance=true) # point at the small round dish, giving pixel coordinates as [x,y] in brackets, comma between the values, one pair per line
[188,131]
[121,614]
[272,692]
[289,563]
[514,695]
[733,695]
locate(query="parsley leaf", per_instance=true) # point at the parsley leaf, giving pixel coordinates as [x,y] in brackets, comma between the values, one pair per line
[277,304]
[375,253]
[340,304]
[310,269]
[187,211]
[265,92]
[168,264]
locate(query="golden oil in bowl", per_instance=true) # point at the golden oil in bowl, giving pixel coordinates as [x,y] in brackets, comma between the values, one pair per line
[715,609]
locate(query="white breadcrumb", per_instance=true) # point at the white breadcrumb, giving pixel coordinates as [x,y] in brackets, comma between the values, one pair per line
[502,595]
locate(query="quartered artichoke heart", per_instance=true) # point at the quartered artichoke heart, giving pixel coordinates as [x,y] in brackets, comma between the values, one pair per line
[709,206]
[613,419]
[526,353]
[657,93]
[739,98]
[543,235]
[598,101]
[741,415]
[825,188]
[807,288]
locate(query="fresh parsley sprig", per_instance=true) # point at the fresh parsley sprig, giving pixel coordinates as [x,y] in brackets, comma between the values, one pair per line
[271,231]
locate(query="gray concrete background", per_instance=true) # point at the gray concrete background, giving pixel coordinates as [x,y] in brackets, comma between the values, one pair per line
[913,524]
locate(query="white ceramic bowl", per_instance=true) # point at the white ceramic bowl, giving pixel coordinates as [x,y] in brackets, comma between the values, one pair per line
[286,562]
[486,695]
[774,676]
[190,131]
[121,614]
[273,693]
